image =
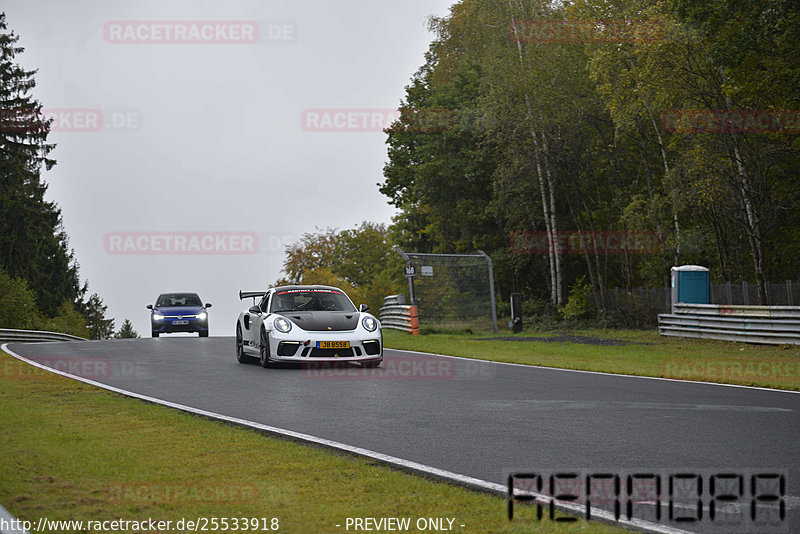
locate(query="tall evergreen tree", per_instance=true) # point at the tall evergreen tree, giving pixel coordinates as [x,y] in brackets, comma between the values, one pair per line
[33,244]
[126,331]
[95,313]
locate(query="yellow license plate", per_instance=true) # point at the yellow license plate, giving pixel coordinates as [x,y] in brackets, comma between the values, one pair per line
[333,344]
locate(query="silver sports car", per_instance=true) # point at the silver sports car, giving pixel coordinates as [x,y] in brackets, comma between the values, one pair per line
[307,324]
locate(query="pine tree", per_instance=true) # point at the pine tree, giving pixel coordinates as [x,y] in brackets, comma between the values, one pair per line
[95,313]
[33,244]
[17,305]
[126,331]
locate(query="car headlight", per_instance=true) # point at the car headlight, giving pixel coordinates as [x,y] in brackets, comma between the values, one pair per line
[158,317]
[369,323]
[282,324]
[202,315]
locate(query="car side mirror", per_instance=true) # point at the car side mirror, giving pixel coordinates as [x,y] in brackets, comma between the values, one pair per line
[149,306]
[255,309]
[363,308]
[208,304]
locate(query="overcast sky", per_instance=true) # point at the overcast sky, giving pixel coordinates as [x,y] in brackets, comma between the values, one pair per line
[188,166]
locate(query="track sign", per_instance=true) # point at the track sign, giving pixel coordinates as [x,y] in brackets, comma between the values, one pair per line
[410,271]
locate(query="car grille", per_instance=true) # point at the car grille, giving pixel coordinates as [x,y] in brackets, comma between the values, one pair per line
[288,348]
[372,347]
[330,353]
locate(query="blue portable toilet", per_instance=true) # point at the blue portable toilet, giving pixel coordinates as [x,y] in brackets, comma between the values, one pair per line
[690,284]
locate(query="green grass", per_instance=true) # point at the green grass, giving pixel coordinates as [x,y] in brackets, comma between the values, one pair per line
[647,354]
[72,451]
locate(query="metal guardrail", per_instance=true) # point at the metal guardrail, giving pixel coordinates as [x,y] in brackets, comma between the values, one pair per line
[775,325]
[9,335]
[778,312]
[399,316]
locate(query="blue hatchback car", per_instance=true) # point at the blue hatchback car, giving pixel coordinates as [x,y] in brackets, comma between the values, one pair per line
[179,312]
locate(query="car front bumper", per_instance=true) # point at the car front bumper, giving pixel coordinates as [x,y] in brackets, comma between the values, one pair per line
[168,326]
[301,346]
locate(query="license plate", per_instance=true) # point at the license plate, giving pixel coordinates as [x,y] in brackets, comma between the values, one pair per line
[180,322]
[333,344]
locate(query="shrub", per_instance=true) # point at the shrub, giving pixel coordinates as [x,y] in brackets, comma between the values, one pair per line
[68,321]
[17,303]
[579,304]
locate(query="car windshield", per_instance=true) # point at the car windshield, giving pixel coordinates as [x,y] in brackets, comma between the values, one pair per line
[310,300]
[178,299]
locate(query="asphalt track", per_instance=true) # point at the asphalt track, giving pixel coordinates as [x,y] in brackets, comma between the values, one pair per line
[474,418]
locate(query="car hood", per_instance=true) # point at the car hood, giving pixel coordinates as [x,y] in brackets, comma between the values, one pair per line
[179,310]
[324,321]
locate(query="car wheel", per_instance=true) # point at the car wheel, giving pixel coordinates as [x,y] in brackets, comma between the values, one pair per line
[241,357]
[154,333]
[372,365]
[203,333]
[264,360]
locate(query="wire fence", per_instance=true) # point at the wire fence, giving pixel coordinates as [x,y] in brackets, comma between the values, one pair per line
[451,290]
[778,294]
[455,291]
[641,305]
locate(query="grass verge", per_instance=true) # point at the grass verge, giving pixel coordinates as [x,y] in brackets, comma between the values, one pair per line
[75,452]
[646,354]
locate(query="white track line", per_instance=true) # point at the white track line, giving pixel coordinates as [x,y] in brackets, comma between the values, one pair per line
[595,372]
[435,472]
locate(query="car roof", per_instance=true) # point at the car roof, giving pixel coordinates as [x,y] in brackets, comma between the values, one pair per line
[298,286]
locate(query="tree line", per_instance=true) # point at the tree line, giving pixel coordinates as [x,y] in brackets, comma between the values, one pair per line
[40,286]
[671,122]
[541,132]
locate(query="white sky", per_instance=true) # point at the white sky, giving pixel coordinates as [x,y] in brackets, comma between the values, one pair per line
[209,136]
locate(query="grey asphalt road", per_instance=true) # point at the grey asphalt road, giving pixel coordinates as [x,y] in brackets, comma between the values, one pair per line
[475,418]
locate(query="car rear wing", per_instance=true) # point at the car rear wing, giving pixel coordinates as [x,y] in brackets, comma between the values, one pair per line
[253,294]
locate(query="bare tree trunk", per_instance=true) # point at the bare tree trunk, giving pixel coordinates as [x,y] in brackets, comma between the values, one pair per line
[546,189]
[663,148]
[650,190]
[599,302]
[754,235]
[599,274]
[753,222]
[553,219]
[551,244]
[720,240]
